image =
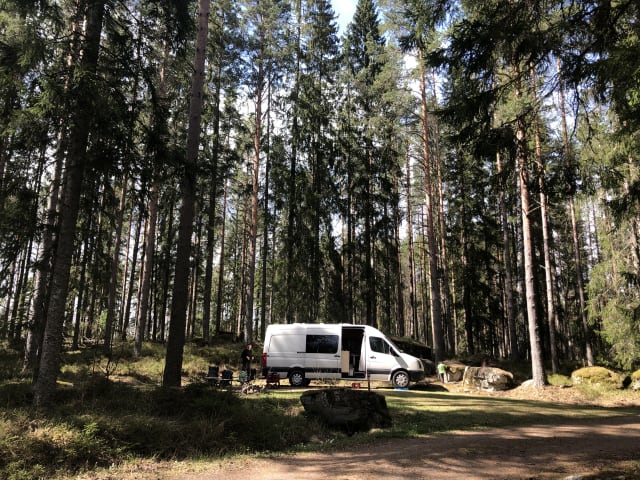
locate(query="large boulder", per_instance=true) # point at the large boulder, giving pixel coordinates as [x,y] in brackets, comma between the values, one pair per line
[635,380]
[455,370]
[351,410]
[489,379]
[599,376]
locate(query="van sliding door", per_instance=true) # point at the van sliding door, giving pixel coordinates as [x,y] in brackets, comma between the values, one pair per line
[352,346]
[322,355]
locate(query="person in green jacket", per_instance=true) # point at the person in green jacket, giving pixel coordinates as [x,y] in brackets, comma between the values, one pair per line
[442,372]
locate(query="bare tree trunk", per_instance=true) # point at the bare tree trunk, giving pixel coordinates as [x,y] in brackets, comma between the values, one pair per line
[115,266]
[147,269]
[537,365]
[211,211]
[546,238]
[514,351]
[574,230]
[45,383]
[220,294]
[447,303]
[253,221]
[435,300]
[175,343]
[132,274]
[413,310]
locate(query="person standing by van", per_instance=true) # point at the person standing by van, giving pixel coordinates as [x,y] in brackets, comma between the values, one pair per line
[442,372]
[247,356]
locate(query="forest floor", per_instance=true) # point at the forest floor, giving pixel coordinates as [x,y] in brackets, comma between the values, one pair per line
[602,447]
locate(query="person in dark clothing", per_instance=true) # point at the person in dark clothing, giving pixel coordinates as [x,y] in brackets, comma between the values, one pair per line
[246,357]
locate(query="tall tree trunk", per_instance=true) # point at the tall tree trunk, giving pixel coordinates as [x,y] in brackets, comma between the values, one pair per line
[211,211]
[147,269]
[588,349]
[132,274]
[78,138]
[115,267]
[537,365]
[510,310]
[413,310]
[447,303]
[180,297]
[220,293]
[266,216]
[546,238]
[434,283]
[255,193]
[292,205]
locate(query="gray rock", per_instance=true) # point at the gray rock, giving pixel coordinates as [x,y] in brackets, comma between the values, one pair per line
[347,409]
[488,379]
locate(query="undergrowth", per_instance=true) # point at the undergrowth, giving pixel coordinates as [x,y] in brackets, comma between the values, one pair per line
[111,411]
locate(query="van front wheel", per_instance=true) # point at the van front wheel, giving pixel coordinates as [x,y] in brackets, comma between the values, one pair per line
[400,379]
[296,378]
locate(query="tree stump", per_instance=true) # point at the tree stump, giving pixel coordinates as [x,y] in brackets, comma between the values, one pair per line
[347,409]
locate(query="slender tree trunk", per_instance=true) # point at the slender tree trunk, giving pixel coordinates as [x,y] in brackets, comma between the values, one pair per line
[292,212]
[537,365]
[211,211]
[266,216]
[514,352]
[132,274]
[166,272]
[220,294]
[147,269]
[115,267]
[82,286]
[447,303]
[435,300]
[78,138]
[175,345]
[546,238]
[413,311]
[574,230]
[255,192]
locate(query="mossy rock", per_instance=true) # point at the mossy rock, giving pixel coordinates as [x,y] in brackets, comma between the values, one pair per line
[597,376]
[635,380]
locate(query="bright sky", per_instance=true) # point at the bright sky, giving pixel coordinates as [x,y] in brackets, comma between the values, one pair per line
[344,10]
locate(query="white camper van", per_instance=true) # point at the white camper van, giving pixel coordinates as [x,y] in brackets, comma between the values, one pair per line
[306,351]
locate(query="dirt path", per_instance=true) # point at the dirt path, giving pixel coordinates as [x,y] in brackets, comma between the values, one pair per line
[606,447]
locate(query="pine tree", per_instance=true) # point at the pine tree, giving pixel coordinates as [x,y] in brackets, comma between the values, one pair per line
[175,344]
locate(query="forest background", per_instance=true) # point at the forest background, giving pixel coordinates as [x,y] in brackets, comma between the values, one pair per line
[461,173]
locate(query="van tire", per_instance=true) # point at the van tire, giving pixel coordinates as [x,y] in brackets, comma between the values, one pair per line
[296,378]
[400,379]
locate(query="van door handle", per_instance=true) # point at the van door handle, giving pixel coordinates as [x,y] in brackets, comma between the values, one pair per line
[373,357]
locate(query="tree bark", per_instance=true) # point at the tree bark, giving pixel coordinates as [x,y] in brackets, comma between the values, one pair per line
[546,238]
[537,365]
[180,297]
[45,383]
[588,349]
[434,283]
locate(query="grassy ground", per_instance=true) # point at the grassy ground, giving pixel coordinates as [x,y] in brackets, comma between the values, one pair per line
[113,412]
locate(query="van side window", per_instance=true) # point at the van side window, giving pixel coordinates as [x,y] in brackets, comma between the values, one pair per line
[379,345]
[322,343]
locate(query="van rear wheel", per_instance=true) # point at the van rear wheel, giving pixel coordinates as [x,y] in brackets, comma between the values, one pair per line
[400,379]
[296,378]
